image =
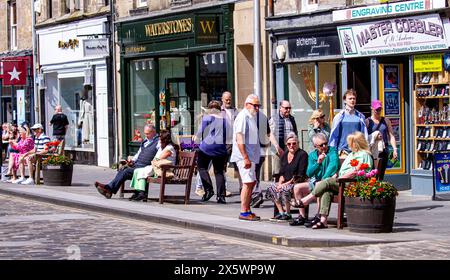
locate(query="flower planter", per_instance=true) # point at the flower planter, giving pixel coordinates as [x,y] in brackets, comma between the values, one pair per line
[370,216]
[57,175]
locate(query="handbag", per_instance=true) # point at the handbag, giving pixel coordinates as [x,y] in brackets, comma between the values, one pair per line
[157,170]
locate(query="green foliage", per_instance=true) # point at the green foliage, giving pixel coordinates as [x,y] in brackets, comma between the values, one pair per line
[57,160]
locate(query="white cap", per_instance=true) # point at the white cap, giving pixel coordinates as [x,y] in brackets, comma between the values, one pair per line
[37,125]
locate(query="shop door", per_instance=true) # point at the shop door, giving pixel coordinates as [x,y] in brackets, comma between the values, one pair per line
[392,96]
[359,80]
[179,106]
[101,91]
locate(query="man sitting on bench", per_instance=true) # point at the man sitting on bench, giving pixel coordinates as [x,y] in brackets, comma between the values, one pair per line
[143,157]
[40,148]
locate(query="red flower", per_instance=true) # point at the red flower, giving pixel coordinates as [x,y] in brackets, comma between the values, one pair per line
[380,190]
[372,181]
[364,166]
[354,162]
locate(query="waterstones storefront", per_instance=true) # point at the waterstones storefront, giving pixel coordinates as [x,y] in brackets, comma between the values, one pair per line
[171,67]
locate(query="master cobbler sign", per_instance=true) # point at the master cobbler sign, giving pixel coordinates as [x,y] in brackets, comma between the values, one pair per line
[393,36]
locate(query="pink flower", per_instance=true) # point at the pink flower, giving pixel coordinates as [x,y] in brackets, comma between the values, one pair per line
[368,175]
[360,173]
[375,172]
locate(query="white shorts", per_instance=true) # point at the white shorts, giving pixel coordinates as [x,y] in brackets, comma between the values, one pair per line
[247,175]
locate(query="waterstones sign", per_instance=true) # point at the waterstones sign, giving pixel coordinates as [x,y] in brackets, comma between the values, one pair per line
[313,46]
[396,8]
[393,36]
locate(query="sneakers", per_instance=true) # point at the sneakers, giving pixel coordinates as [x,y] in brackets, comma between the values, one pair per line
[281,218]
[249,217]
[18,181]
[28,181]
[200,192]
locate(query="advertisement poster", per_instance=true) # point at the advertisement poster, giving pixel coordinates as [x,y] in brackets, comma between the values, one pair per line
[394,163]
[441,176]
[392,103]
[391,77]
[395,122]
[20,106]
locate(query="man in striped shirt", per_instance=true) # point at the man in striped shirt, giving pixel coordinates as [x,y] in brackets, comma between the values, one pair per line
[40,148]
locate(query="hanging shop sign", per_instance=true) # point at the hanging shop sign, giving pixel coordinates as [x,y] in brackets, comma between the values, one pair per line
[428,63]
[441,175]
[393,36]
[387,9]
[20,96]
[306,46]
[206,30]
[96,47]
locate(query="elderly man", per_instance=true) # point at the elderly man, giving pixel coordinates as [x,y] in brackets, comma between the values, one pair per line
[40,148]
[323,162]
[143,157]
[60,123]
[246,152]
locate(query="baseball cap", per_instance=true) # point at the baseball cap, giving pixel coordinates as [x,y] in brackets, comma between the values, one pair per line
[37,125]
[376,104]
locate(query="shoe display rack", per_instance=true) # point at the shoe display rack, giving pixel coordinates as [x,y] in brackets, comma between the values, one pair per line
[431,103]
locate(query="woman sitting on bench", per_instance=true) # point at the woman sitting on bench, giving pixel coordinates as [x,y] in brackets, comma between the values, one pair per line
[327,188]
[168,151]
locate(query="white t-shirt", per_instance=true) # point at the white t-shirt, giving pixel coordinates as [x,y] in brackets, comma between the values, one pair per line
[171,149]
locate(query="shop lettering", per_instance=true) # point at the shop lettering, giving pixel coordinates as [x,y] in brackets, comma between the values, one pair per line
[135,49]
[209,26]
[70,44]
[386,9]
[306,41]
[168,27]
[381,29]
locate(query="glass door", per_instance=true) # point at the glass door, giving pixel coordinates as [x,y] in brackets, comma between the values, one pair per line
[179,107]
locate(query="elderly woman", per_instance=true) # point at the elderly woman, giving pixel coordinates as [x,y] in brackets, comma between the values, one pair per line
[329,187]
[24,145]
[293,165]
[212,133]
[166,150]
[317,124]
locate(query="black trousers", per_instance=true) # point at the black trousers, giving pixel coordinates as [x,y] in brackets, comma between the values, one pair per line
[384,157]
[203,161]
[121,177]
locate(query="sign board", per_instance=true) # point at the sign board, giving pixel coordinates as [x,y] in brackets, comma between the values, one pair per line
[313,45]
[20,97]
[387,9]
[428,62]
[393,36]
[441,175]
[206,30]
[391,103]
[96,47]
[391,77]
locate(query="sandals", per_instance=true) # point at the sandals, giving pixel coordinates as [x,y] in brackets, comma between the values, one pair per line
[319,225]
[299,221]
[297,204]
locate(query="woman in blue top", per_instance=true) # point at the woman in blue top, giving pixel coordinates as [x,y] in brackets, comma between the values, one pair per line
[345,123]
[212,148]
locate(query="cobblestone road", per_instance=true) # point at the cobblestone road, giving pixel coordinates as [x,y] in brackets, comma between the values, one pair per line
[35,230]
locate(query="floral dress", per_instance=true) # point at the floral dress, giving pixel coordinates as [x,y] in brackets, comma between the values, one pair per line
[23,147]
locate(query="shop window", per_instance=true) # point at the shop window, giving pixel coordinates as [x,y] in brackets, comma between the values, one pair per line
[302,94]
[141,3]
[142,94]
[77,102]
[12,25]
[213,76]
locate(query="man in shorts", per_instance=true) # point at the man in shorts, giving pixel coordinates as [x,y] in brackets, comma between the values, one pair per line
[246,152]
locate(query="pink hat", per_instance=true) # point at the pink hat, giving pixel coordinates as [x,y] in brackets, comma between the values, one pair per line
[376,104]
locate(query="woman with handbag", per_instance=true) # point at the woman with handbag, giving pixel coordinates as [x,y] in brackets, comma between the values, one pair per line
[166,154]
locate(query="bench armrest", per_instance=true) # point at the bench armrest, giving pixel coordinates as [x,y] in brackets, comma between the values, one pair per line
[168,166]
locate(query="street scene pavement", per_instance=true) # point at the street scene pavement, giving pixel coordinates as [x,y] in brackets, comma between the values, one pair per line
[42,222]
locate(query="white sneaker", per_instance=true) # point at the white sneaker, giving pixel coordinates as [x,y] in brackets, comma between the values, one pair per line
[9,181]
[28,181]
[18,181]
[199,191]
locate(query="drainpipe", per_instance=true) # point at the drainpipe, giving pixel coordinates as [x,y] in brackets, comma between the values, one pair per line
[271,9]
[114,81]
[36,110]
[257,49]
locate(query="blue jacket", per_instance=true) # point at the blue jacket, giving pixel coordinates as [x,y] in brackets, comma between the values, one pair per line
[337,122]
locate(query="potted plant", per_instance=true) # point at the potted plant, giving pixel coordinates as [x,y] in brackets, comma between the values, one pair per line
[57,170]
[369,203]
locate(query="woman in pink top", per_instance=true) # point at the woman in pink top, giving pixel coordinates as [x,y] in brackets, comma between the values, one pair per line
[24,145]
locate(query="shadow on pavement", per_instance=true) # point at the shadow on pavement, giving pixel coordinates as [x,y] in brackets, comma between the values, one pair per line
[430,207]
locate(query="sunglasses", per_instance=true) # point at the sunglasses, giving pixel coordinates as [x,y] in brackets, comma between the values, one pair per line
[323,145]
[287,108]
[378,110]
[291,144]
[255,105]
[321,117]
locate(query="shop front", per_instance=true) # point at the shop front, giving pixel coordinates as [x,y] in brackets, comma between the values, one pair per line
[171,67]
[74,74]
[16,87]
[382,58]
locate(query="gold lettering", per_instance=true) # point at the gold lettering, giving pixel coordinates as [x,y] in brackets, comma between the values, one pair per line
[169,27]
[209,26]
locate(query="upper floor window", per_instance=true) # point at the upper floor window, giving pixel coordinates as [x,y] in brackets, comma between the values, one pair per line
[180,2]
[49,9]
[77,5]
[65,7]
[141,3]
[310,5]
[12,25]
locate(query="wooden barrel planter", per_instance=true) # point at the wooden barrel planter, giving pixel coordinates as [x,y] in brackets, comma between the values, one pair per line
[57,175]
[366,216]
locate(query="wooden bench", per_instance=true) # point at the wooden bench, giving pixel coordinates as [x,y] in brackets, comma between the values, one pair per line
[183,173]
[38,165]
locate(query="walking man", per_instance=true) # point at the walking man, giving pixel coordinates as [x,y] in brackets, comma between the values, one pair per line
[246,152]
[143,157]
[60,125]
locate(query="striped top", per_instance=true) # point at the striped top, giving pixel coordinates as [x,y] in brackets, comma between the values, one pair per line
[40,141]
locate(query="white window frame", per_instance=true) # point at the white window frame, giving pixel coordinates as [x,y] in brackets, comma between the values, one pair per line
[12,25]
[141,3]
[309,5]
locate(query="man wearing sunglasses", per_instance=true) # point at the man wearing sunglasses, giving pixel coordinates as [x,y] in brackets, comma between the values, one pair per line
[323,162]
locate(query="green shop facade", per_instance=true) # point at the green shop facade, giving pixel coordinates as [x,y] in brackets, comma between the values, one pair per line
[171,67]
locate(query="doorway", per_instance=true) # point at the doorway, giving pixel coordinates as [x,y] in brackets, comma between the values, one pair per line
[358,73]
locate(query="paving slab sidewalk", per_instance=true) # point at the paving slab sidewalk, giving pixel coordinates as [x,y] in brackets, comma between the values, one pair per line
[417,217]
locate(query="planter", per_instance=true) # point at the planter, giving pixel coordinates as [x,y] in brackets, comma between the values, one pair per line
[366,216]
[57,175]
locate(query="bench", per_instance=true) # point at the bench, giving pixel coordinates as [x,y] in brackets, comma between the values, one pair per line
[183,173]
